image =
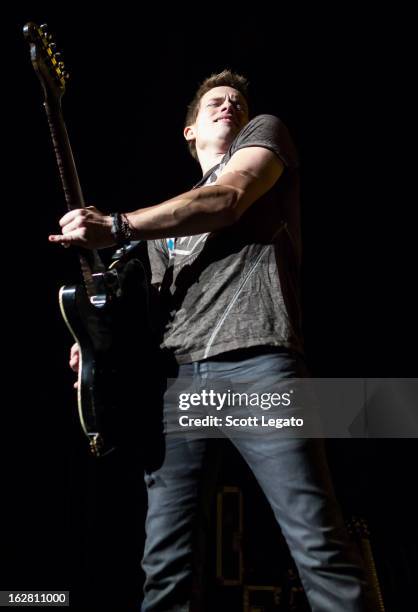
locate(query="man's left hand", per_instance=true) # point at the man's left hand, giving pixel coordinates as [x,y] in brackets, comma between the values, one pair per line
[85,227]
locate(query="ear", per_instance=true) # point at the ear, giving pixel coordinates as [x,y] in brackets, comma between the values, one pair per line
[189,133]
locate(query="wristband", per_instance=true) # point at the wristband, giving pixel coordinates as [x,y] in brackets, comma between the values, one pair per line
[121,229]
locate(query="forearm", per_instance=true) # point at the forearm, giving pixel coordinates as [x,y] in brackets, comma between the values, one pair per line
[205,209]
[201,210]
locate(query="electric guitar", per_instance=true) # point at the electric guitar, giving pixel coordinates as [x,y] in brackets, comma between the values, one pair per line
[108,314]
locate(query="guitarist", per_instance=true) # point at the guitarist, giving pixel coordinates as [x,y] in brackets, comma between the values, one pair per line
[226,256]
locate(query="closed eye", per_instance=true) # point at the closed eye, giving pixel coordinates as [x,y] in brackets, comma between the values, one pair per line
[238,105]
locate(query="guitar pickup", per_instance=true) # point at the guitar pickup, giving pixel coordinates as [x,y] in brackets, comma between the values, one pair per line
[100,296]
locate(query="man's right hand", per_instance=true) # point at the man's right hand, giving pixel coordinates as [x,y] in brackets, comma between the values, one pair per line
[75,360]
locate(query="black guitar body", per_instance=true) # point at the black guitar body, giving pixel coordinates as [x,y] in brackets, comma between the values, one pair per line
[119,383]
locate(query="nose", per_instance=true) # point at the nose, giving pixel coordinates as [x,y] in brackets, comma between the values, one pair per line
[227,103]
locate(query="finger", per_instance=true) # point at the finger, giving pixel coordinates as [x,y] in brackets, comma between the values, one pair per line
[66,240]
[77,224]
[58,238]
[71,215]
[74,366]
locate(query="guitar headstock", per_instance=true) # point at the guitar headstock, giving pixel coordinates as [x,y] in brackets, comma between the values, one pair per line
[46,61]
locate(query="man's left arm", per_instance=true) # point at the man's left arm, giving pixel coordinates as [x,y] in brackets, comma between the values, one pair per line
[251,172]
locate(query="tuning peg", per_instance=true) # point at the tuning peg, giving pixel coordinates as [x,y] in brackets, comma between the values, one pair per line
[61,65]
[58,56]
[66,75]
[44,28]
[52,46]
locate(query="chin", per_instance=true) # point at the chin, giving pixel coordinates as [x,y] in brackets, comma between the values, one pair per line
[228,132]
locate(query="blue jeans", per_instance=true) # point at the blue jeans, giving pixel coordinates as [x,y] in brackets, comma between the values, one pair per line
[294,476]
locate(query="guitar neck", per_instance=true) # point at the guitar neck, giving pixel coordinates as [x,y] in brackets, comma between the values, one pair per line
[50,71]
[64,156]
[90,261]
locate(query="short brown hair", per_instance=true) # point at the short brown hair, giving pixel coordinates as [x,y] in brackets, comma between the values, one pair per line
[226,77]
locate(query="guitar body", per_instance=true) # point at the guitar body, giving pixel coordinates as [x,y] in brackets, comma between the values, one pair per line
[118,348]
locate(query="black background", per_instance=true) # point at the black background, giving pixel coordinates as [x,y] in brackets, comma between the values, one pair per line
[339,82]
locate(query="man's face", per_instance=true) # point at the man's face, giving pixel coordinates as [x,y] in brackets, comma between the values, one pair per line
[223,112]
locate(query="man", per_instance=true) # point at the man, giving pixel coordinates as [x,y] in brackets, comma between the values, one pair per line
[226,257]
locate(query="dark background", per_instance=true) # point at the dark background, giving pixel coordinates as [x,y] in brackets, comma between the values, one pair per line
[339,82]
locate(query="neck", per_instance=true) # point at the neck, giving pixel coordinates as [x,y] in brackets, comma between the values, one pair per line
[208,159]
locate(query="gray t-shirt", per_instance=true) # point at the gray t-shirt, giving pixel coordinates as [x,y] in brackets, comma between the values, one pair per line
[238,287]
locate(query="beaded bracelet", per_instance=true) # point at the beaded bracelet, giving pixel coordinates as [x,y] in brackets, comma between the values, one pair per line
[121,229]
